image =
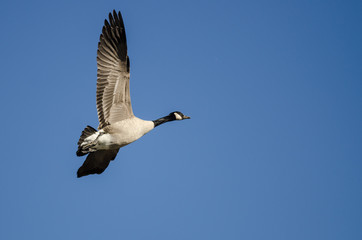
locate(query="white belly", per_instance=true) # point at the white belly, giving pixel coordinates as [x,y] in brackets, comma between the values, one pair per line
[124,132]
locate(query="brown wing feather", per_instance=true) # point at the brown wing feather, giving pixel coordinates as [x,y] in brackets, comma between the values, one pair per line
[113,95]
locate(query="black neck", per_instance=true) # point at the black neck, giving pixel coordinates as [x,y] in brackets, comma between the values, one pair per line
[163,120]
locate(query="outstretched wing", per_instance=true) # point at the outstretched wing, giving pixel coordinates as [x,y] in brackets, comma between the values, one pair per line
[113,96]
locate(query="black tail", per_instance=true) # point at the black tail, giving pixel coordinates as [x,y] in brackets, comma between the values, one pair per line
[88,131]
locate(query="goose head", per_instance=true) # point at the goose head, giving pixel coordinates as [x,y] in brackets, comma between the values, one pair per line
[178,116]
[171,117]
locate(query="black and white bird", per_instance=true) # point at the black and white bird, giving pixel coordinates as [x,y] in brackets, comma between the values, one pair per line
[118,126]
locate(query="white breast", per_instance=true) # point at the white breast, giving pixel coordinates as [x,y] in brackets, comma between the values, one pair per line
[125,132]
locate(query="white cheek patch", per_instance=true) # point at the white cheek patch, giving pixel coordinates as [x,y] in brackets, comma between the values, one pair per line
[177,116]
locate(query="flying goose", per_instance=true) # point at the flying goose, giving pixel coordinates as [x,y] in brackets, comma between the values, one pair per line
[118,126]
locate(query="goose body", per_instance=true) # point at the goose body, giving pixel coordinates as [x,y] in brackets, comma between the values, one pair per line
[120,133]
[118,126]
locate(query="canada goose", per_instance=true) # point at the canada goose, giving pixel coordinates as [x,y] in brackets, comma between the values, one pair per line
[118,126]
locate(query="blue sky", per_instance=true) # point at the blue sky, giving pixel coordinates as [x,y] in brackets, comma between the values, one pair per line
[273,149]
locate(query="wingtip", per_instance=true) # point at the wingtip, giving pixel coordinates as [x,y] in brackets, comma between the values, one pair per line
[114,16]
[80,173]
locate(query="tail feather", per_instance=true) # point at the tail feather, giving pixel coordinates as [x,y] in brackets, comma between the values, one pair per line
[88,131]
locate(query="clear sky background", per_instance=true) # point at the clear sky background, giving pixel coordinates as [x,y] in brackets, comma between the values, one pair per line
[273,149]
